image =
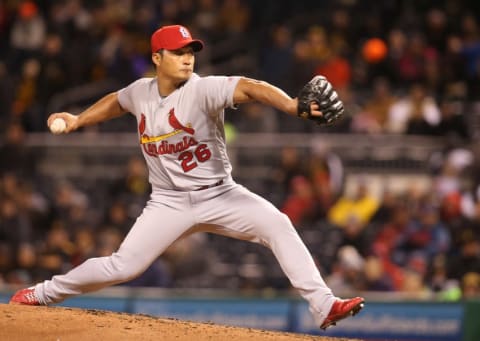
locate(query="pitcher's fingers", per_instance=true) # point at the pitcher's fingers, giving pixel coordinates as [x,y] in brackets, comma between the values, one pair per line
[63,115]
[51,118]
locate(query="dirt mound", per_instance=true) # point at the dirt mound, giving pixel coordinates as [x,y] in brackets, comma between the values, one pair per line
[26,323]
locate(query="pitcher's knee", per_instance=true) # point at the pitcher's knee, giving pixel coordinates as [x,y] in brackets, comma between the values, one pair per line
[279,228]
[283,223]
[124,268]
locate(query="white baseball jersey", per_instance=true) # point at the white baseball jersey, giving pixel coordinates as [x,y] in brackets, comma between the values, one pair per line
[181,135]
[182,139]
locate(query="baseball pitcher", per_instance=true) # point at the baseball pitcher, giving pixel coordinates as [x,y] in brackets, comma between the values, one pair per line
[180,124]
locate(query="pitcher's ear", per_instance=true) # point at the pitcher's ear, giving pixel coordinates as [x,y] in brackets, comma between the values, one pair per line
[156,58]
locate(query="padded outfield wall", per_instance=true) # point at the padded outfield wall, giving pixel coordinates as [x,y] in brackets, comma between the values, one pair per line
[379,320]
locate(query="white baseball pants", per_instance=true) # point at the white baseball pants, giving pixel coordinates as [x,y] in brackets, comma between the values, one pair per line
[228,209]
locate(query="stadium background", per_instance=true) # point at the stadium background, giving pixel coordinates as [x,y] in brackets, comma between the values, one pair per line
[387,201]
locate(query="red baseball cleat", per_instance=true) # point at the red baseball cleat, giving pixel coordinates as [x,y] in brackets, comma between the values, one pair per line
[342,309]
[25,296]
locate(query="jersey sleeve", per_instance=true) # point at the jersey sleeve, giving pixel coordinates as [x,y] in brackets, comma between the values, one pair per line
[216,92]
[126,96]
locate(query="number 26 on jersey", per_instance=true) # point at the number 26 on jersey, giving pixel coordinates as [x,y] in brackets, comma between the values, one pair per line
[189,160]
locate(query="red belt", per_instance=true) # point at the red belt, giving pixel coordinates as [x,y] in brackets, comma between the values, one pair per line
[218,183]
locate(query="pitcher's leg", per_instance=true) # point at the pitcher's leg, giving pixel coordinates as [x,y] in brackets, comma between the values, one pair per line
[248,216]
[276,231]
[157,228]
[297,263]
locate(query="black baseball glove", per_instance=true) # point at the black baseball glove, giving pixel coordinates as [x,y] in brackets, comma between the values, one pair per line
[320,91]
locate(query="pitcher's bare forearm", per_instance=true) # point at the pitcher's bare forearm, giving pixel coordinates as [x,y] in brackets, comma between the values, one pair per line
[249,90]
[103,110]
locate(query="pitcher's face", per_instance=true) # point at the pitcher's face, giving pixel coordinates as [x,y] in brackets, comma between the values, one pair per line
[176,65]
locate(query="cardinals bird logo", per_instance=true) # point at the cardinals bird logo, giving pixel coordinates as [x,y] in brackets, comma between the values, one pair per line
[174,123]
[142,124]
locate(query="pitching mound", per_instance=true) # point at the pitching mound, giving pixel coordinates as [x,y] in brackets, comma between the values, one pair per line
[25,323]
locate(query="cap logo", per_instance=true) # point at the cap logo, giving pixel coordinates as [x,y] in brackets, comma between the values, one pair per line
[173,37]
[184,32]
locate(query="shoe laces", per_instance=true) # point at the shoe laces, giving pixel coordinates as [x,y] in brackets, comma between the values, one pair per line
[30,296]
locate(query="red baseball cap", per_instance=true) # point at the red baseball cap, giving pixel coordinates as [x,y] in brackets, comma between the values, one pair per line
[173,37]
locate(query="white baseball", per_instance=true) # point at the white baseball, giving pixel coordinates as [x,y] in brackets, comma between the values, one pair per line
[58,126]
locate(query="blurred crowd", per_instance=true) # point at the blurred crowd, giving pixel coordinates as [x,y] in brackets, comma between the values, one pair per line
[421,239]
[424,80]
[422,76]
